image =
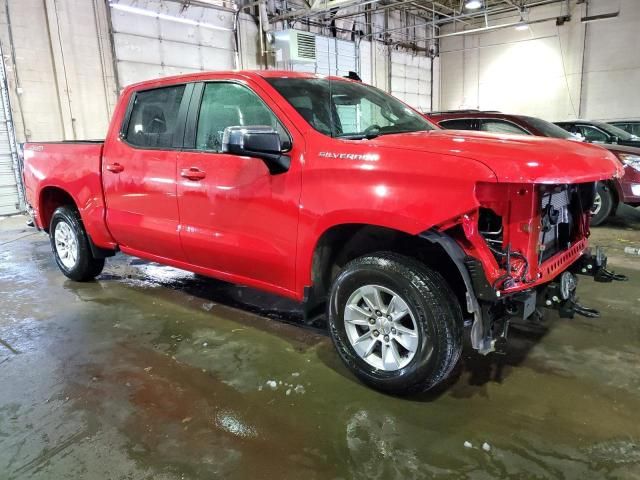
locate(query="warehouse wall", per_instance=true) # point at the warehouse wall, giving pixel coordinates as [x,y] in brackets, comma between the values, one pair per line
[59,68]
[388,61]
[540,71]
[154,39]
[67,60]
[65,73]
[611,82]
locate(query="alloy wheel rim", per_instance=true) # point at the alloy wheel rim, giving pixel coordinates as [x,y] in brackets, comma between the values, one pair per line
[381,327]
[66,244]
[597,204]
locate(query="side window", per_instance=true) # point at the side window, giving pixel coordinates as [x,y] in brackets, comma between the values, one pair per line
[231,105]
[592,134]
[499,126]
[460,124]
[627,127]
[154,117]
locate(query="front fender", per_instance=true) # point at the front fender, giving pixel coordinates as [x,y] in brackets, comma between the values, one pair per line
[411,195]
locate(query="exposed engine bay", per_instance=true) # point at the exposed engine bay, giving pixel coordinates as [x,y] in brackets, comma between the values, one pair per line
[537,241]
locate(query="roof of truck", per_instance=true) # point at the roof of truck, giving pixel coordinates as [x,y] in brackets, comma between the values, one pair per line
[248,74]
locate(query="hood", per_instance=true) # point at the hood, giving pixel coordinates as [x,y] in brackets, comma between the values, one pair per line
[515,158]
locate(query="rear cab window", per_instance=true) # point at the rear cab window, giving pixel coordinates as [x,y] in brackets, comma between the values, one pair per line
[154,118]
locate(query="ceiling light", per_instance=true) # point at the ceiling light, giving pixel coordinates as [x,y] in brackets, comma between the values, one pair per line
[522,24]
[473,4]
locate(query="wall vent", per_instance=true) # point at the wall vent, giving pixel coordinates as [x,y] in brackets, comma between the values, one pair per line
[305,46]
[294,46]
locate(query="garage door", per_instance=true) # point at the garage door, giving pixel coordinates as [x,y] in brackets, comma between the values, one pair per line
[154,39]
[411,79]
[335,57]
[9,192]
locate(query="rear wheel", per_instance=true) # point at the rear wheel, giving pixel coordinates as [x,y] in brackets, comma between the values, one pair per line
[70,246]
[602,205]
[395,323]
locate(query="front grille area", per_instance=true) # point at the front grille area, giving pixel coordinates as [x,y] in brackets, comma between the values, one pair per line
[557,220]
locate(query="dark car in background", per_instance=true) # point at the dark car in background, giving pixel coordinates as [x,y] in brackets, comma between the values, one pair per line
[600,132]
[608,194]
[630,126]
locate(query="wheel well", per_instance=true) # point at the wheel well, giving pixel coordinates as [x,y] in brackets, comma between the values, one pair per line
[342,243]
[50,199]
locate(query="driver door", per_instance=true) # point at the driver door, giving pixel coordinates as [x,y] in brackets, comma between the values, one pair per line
[236,218]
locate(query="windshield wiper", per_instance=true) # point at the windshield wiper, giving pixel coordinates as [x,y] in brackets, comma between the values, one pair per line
[358,136]
[372,135]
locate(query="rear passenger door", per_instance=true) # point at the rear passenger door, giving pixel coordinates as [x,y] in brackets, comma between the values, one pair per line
[139,172]
[236,218]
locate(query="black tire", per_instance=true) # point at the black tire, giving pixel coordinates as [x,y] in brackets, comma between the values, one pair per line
[86,267]
[436,311]
[599,215]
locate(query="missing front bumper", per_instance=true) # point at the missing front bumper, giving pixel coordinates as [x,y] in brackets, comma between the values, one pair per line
[490,328]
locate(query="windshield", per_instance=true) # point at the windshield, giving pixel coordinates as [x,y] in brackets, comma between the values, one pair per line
[549,129]
[348,109]
[618,132]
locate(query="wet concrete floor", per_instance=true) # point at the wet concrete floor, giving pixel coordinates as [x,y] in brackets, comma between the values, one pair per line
[154,373]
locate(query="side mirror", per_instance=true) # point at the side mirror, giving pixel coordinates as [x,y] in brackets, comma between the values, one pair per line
[614,139]
[258,141]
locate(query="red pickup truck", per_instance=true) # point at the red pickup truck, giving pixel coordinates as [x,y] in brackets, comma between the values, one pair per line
[333,193]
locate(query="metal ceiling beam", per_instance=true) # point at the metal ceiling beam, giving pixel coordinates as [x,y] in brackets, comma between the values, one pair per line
[319,7]
[480,30]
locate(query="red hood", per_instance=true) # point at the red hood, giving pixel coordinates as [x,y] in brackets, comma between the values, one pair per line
[515,158]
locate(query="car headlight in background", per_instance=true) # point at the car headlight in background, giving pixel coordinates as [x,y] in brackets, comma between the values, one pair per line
[630,160]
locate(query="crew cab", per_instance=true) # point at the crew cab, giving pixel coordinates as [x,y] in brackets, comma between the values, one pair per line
[337,195]
[609,194]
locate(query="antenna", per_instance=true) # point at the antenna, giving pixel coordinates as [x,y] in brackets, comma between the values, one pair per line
[331,119]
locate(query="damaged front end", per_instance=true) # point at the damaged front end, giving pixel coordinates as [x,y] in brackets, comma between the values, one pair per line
[523,249]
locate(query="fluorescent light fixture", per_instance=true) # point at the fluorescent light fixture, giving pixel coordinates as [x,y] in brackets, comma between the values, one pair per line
[164,16]
[473,4]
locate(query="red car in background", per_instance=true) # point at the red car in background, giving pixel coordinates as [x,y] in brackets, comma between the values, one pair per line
[608,195]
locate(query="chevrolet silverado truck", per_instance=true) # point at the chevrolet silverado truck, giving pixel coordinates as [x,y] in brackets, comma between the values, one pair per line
[337,195]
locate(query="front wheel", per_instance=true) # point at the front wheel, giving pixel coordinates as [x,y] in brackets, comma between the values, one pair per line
[602,205]
[395,323]
[70,246]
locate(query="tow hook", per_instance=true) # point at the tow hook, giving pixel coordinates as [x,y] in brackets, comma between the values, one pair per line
[561,296]
[596,266]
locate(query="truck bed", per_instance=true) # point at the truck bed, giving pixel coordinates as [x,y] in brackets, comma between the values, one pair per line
[73,167]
